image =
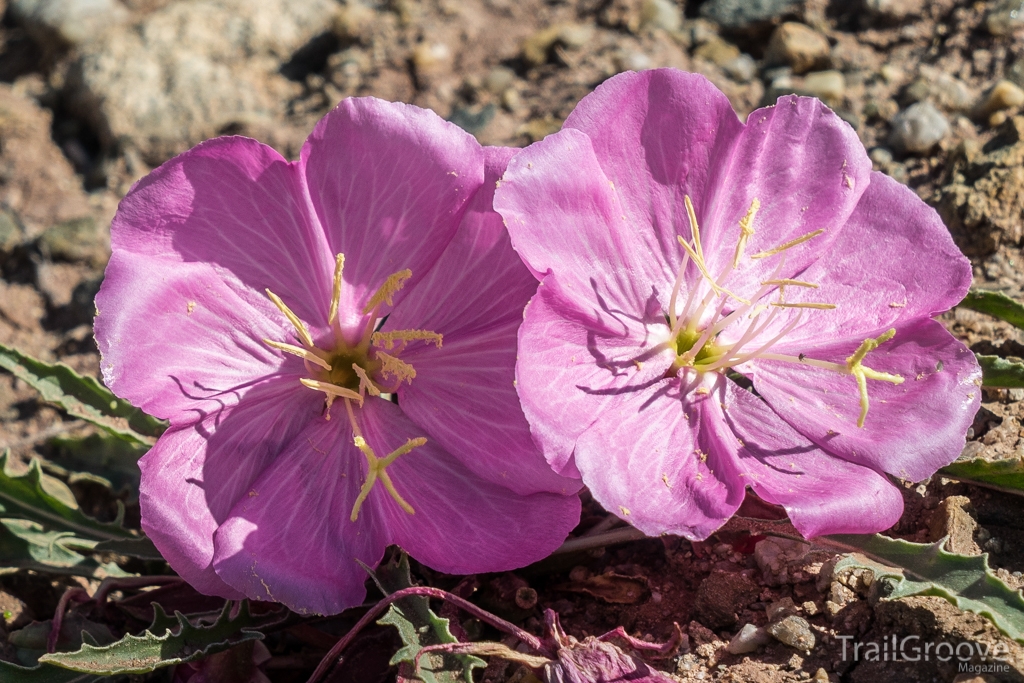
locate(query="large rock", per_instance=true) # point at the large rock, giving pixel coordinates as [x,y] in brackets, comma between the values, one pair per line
[72,22]
[982,200]
[745,16]
[193,69]
[37,183]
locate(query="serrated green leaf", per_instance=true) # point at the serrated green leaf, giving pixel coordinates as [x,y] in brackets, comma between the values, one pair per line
[995,304]
[419,627]
[166,647]
[102,455]
[1000,372]
[1006,475]
[82,397]
[42,527]
[927,569]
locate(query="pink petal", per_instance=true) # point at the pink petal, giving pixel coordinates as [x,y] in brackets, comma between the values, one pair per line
[389,182]
[822,494]
[195,473]
[912,429]
[462,524]
[238,205]
[659,135]
[656,462]
[178,341]
[290,540]
[565,218]
[808,169]
[569,375]
[894,261]
[463,394]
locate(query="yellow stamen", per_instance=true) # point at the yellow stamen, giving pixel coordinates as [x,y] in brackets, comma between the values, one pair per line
[862,373]
[293,319]
[692,215]
[377,470]
[788,245]
[389,339]
[304,354]
[331,389]
[387,291]
[399,369]
[824,307]
[699,260]
[746,231]
[365,383]
[786,281]
[339,264]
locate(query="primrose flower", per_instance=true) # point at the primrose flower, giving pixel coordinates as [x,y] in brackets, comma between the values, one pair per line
[333,343]
[726,305]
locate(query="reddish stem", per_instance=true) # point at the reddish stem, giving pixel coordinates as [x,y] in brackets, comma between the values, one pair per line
[331,658]
[76,594]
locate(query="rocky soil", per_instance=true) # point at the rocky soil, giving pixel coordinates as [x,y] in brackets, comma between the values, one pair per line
[95,93]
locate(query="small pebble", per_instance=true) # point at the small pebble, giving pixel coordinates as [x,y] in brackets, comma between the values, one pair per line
[500,79]
[632,60]
[918,128]
[663,14]
[748,639]
[780,609]
[880,156]
[798,46]
[793,631]
[742,69]
[1004,95]
[820,676]
[1007,16]
[825,85]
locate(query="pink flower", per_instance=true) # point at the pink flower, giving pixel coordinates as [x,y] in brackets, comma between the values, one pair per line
[274,313]
[685,257]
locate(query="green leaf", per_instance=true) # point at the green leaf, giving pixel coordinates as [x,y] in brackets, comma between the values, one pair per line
[44,673]
[42,527]
[140,548]
[1001,372]
[110,457]
[161,646]
[995,304]
[82,397]
[419,627]
[927,569]
[1006,475]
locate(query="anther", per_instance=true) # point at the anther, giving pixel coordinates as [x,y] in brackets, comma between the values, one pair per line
[387,291]
[389,339]
[399,369]
[339,264]
[292,318]
[304,354]
[788,245]
[746,231]
[365,383]
[820,306]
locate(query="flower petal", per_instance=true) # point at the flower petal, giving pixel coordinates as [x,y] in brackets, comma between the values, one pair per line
[894,261]
[912,429]
[178,341]
[569,375]
[463,394]
[389,183]
[462,524]
[463,397]
[195,473]
[659,135]
[290,538]
[657,463]
[806,167]
[236,204]
[822,494]
[565,218]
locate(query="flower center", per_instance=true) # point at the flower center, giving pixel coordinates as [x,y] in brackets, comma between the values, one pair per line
[702,345]
[349,372]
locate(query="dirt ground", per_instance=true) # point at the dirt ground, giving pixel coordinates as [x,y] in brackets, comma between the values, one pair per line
[95,93]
